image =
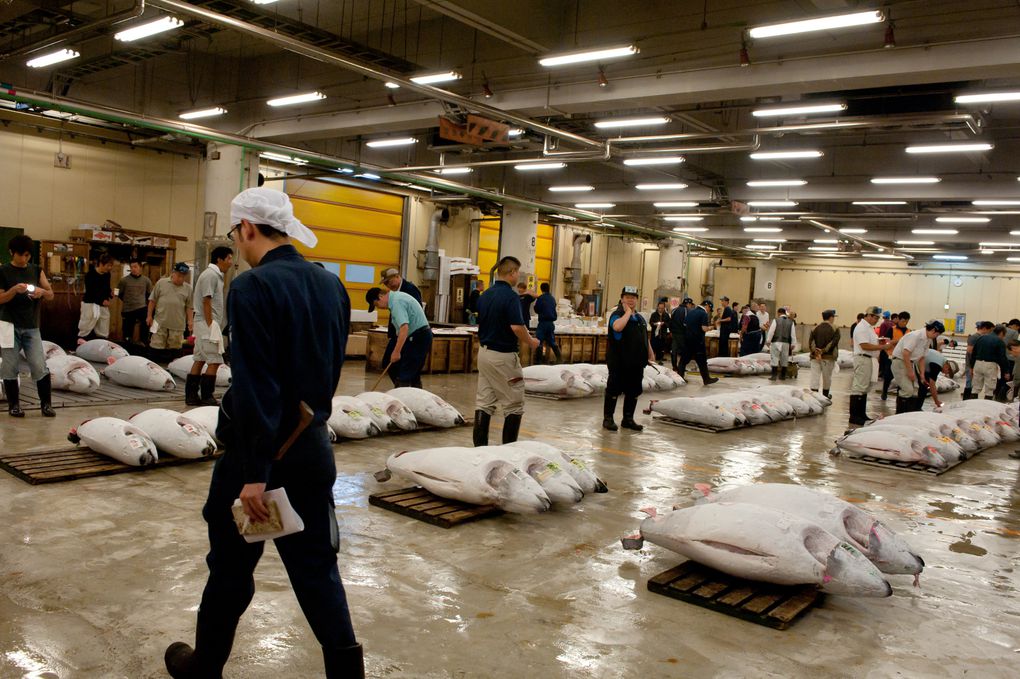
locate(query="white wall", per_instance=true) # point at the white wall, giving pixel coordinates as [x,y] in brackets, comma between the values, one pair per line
[137,188]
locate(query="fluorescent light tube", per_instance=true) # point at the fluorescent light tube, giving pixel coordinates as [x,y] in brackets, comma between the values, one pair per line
[761,183]
[995,202]
[682,203]
[760,247]
[853,231]
[879,255]
[988,97]
[819,24]
[384,143]
[515,132]
[572,189]
[528,167]
[986,252]
[826,240]
[823,248]
[999,245]
[905,180]
[963,220]
[1013,259]
[160,25]
[690,229]
[53,58]
[296,99]
[935,232]
[950,258]
[566,217]
[950,148]
[806,109]
[785,155]
[763,218]
[665,186]
[748,218]
[915,242]
[433,78]
[879,202]
[1014,233]
[282,158]
[583,206]
[203,113]
[772,203]
[367,175]
[588,55]
[392,86]
[769,240]
[661,160]
[683,218]
[762,229]
[631,122]
[455,170]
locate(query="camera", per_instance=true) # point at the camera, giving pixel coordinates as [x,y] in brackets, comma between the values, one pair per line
[30,290]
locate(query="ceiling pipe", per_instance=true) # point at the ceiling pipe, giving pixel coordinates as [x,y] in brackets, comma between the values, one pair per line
[846,236]
[116,18]
[326,56]
[467,18]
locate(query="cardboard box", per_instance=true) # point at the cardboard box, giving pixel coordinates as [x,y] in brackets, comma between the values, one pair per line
[102,236]
[161,242]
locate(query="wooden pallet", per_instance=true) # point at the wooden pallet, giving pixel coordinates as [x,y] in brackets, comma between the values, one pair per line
[775,606]
[68,463]
[695,426]
[420,504]
[107,394]
[914,467]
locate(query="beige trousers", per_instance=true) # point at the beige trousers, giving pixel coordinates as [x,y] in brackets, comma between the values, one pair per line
[986,374]
[862,375]
[907,389]
[500,382]
[821,371]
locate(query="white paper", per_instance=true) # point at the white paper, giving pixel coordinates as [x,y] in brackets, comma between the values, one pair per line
[292,522]
[154,328]
[6,335]
[216,335]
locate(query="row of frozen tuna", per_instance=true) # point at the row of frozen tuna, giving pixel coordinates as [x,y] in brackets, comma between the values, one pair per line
[522,477]
[139,440]
[751,364]
[844,360]
[577,380]
[761,405]
[402,409]
[935,439]
[784,534]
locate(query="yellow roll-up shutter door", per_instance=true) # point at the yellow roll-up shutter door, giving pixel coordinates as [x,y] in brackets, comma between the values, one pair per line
[488,247]
[544,254]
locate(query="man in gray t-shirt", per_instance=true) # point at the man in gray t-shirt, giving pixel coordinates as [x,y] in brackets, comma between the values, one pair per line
[208,306]
[133,291]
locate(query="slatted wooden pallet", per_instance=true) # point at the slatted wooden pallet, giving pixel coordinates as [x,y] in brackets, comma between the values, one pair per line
[420,504]
[107,394]
[695,426]
[556,397]
[775,606]
[67,463]
[421,427]
[914,467]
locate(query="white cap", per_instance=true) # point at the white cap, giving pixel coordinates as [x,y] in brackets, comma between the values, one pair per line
[272,208]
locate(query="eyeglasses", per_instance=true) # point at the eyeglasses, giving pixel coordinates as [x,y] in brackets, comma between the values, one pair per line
[230,234]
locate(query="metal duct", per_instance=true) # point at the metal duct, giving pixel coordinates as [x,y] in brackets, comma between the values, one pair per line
[432,245]
[572,274]
[708,287]
[116,18]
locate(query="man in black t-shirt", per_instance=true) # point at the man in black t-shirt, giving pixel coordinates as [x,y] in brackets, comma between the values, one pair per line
[22,285]
[95,304]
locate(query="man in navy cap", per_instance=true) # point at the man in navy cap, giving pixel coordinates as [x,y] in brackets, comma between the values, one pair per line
[697,324]
[678,331]
[627,354]
[169,314]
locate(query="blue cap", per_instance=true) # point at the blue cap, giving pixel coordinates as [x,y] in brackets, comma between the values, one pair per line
[885,314]
[181,267]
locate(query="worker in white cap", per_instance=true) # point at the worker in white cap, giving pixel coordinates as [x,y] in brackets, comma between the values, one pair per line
[288,325]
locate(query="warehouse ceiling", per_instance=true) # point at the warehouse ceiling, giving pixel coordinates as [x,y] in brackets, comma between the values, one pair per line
[699,69]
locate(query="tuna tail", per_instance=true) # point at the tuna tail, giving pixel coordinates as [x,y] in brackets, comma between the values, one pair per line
[632,541]
[383,476]
[705,489]
[600,486]
[459,421]
[650,511]
[73,437]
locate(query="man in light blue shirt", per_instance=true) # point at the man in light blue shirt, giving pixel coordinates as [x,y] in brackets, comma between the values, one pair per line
[414,336]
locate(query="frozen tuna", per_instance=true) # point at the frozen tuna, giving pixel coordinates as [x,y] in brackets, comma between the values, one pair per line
[557,380]
[351,422]
[888,445]
[99,350]
[175,433]
[428,408]
[378,416]
[396,411]
[207,417]
[116,439]
[181,367]
[696,411]
[556,481]
[583,474]
[71,373]
[140,373]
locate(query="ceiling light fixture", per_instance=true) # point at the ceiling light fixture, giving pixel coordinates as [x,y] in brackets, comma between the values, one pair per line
[950,258]
[991,203]
[826,240]
[434,78]
[950,148]
[935,232]
[1014,233]
[529,167]
[296,99]
[769,240]
[986,252]
[392,85]
[203,113]
[282,158]
[515,132]
[589,55]
[963,220]
[988,97]
[385,143]
[761,183]
[367,175]
[631,122]
[53,58]
[822,248]
[772,203]
[915,242]
[583,206]
[999,245]
[454,170]
[683,218]
[763,218]
[760,247]
[682,203]
[160,25]
[786,155]
[905,180]
[1013,259]
[855,232]
[665,186]
[879,255]
[661,160]
[879,202]
[572,189]
[690,229]
[748,218]
[566,217]
[806,109]
[762,229]
[818,24]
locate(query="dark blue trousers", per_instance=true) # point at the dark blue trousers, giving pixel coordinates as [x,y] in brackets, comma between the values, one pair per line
[307,472]
[407,371]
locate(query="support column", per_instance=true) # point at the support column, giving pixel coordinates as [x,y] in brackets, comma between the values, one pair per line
[518,237]
[765,284]
[671,282]
[228,171]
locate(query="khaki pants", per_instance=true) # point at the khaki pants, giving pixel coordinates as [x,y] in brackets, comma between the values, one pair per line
[821,371]
[986,373]
[901,372]
[500,382]
[780,352]
[862,375]
[94,318]
[164,338]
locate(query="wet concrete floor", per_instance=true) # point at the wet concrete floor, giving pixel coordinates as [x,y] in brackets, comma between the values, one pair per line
[99,575]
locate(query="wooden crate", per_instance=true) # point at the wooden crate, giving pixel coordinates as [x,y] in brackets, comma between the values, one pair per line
[68,463]
[601,347]
[422,505]
[107,394]
[914,467]
[775,606]
[693,425]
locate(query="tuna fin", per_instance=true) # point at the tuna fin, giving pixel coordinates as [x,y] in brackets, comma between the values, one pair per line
[650,511]
[632,541]
[917,580]
[111,360]
[600,486]
[705,489]
[73,437]
[80,342]
[383,476]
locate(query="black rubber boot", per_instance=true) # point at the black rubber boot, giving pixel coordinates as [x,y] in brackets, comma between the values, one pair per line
[629,406]
[966,394]
[191,396]
[558,353]
[511,428]
[775,374]
[44,387]
[345,663]
[207,385]
[180,661]
[902,405]
[782,373]
[825,393]
[857,409]
[13,392]
[480,436]
[608,413]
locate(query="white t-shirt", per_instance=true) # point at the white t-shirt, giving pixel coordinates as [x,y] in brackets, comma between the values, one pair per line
[865,334]
[916,342]
[763,318]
